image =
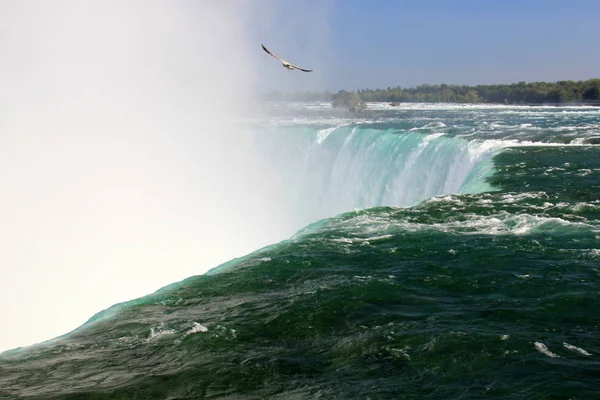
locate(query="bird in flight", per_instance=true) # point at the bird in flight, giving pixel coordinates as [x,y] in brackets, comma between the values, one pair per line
[285,63]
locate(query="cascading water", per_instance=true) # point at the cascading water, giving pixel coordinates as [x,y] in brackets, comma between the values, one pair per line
[462,295]
[327,171]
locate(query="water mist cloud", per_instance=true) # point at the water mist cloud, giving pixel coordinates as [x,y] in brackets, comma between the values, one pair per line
[122,166]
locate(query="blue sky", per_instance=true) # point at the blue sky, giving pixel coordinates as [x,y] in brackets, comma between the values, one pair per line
[381,43]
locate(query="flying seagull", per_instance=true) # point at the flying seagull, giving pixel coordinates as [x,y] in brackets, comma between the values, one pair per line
[285,63]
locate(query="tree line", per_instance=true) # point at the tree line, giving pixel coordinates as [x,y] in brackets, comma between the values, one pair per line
[517,93]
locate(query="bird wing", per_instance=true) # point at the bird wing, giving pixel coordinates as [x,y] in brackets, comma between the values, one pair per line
[271,54]
[282,60]
[301,69]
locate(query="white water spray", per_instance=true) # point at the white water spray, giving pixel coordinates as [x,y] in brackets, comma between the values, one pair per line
[122,167]
[334,170]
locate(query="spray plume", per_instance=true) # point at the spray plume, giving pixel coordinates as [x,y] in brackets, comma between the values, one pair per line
[122,165]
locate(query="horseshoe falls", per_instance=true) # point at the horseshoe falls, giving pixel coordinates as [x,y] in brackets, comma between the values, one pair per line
[327,171]
[429,251]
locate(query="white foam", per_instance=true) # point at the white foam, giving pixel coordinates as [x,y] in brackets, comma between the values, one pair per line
[379,237]
[511,198]
[523,276]
[323,133]
[342,240]
[158,332]
[436,124]
[445,198]
[577,349]
[196,328]
[501,223]
[584,172]
[433,136]
[403,352]
[542,348]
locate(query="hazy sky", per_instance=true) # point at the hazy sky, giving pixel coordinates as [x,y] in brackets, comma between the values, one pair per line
[381,43]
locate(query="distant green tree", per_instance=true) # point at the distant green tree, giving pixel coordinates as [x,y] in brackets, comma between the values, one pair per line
[472,97]
[516,93]
[592,90]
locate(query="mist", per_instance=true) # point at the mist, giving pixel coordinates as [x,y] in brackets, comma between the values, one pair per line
[124,166]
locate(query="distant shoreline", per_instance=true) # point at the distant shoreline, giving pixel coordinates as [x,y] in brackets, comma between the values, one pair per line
[576,104]
[584,93]
[399,104]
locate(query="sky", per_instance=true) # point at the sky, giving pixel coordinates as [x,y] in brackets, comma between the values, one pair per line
[383,43]
[122,166]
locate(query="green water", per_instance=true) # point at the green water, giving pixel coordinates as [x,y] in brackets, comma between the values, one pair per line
[489,293]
